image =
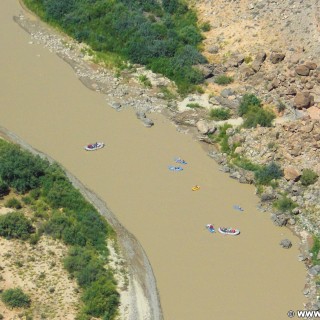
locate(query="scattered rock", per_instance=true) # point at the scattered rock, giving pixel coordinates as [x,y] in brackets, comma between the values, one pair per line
[279,219]
[291,173]
[286,244]
[315,270]
[303,100]
[277,57]
[202,127]
[302,70]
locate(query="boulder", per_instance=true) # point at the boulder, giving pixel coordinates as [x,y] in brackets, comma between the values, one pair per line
[279,219]
[311,65]
[206,70]
[246,71]
[277,57]
[286,243]
[314,113]
[202,127]
[147,122]
[116,106]
[227,92]
[291,173]
[302,70]
[259,59]
[315,270]
[302,100]
[140,115]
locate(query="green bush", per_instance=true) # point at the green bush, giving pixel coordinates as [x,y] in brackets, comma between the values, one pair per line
[220,114]
[13,203]
[15,225]
[194,106]
[4,188]
[205,27]
[223,80]
[257,116]
[145,81]
[15,298]
[308,177]
[153,33]
[247,101]
[285,204]
[315,250]
[246,164]
[267,173]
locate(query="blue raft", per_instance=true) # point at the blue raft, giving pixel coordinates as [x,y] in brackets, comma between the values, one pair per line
[173,168]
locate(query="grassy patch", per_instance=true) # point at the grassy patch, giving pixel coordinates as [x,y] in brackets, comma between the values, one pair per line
[223,80]
[284,204]
[220,114]
[315,250]
[308,177]
[194,106]
[143,79]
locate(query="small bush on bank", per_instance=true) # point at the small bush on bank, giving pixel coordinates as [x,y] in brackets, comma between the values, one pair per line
[145,81]
[13,203]
[205,27]
[268,173]
[4,188]
[285,204]
[315,250]
[15,225]
[246,164]
[308,177]
[247,101]
[223,80]
[15,298]
[220,114]
[257,116]
[194,106]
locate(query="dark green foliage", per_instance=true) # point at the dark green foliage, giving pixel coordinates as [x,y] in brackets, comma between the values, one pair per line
[220,114]
[4,188]
[285,204]
[315,250]
[205,27]
[15,225]
[145,32]
[100,294]
[15,298]
[223,80]
[222,138]
[250,108]
[246,164]
[267,173]
[69,218]
[13,203]
[258,116]
[194,106]
[308,177]
[19,169]
[247,101]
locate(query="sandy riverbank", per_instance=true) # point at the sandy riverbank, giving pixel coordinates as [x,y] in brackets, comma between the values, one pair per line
[198,274]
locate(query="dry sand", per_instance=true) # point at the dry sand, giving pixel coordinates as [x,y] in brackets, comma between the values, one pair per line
[199,275]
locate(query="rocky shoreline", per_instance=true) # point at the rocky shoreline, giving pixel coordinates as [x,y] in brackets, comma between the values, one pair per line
[257,145]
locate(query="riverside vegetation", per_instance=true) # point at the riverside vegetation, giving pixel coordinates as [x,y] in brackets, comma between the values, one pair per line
[60,212]
[163,35]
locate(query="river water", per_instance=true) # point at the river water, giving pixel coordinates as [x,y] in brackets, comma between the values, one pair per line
[199,275]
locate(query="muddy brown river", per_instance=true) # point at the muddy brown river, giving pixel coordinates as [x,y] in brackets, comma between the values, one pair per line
[199,275]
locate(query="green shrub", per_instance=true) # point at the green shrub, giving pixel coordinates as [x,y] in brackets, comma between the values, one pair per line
[145,81]
[15,298]
[20,169]
[15,225]
[13,203]
[267,173]
[4,188]
[315,250]
[220,114]
[308,177]
[223,80]
[246,164]
[285,204]
[27,200]
[257,116]
[194,106]
[206,26]
[247,101]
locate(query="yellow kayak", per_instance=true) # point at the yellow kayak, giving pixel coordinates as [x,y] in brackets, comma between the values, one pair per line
[195,188]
